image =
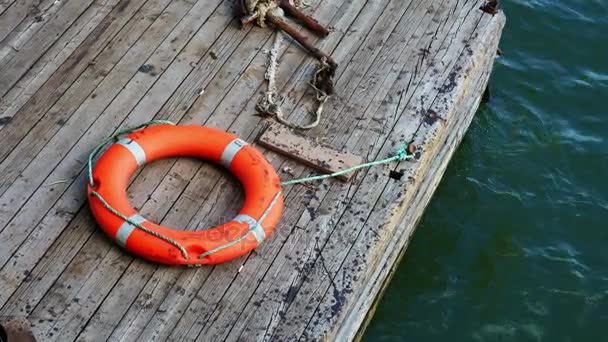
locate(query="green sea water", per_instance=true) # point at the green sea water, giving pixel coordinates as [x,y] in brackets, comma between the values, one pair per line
[514,244]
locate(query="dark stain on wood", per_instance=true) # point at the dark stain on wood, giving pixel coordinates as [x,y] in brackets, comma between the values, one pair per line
[291,294]
[312,212]
[122,6]
[5,120]
[491,7]
[146,68]
[396,175]
[451,82]
[430,117]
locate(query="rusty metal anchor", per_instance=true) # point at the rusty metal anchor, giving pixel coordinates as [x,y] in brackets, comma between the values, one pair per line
[273,12]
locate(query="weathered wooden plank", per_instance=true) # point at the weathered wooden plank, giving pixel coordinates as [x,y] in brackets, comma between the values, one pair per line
[203,177]
[197,308]
[284,141]
[12,237]
[222,16]
[44,68]
[82,59]
[10,18]
[356,262]
[36,16]
[233,303]
[35,47]
[5,4]
[289,289]
[194,310]
[53,146]
[355,320]
[342,279]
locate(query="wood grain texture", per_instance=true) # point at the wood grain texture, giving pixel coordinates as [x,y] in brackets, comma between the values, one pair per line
[13,67]
[92,20]
[307,151]
[410,71]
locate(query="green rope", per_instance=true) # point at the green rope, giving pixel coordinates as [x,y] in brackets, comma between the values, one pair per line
[114,136]
[239,239]
[138,225]
[400,155]
[106,204]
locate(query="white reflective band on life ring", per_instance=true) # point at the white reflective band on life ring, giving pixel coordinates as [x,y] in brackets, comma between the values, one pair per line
[230,151]
[126,229]
[255,227]
[136,150]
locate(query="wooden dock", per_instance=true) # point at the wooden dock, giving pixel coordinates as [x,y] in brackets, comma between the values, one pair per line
[72,72]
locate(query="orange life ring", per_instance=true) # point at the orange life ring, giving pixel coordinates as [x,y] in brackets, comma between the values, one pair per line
[256,220]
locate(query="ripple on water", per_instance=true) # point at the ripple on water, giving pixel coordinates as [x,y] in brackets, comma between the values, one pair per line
[580,137]
[560,9]
[508,330]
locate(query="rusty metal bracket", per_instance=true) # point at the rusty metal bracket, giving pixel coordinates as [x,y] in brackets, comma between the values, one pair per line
[491,7]
[272,12]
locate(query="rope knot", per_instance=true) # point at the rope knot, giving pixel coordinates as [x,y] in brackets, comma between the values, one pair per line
[401,153]
[263,8]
